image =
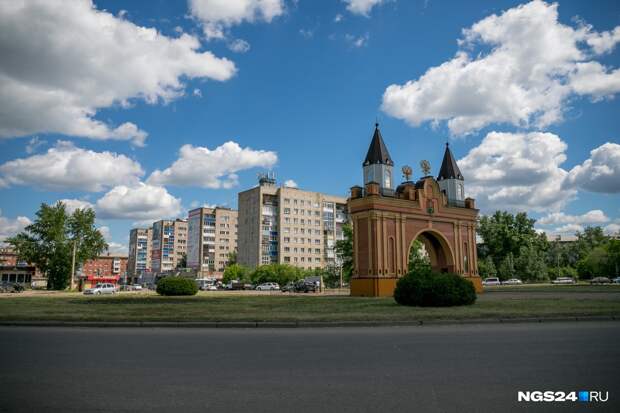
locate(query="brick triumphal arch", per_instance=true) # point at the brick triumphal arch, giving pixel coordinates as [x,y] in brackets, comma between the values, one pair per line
[387,221]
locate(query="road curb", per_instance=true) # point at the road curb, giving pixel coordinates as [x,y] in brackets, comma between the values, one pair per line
[300,324]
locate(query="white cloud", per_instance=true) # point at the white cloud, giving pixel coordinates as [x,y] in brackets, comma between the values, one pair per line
[218,15]
[197,92]
[517,68]
[338,18]
[239,46]
[10,227]
[105,232]
[568,229]
[612,229]
[114,248]
[290,183]
[357,41]
[72,204]
[592,78]
[362,7]
[306,33]
[33,144]
[595,216]
[141,202]
[518,172]
[67,167]
[604,42]
[200,166]
[68,60]
[600,173]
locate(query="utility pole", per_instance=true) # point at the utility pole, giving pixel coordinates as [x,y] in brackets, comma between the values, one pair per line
[72,284]
[557,253]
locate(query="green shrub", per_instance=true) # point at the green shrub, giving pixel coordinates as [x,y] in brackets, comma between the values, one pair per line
[176,286]
[431,289]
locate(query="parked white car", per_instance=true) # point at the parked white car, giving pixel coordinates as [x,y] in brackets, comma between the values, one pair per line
[512,281]
[563,280]
[98,289]
[136,287]
[491,281]
[268,287]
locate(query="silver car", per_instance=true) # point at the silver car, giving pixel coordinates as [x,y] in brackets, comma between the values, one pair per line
[512,281]
[104,288]
[491,281]
[563,280]
[268,287]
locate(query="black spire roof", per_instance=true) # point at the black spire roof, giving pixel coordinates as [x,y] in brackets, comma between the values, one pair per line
[377,152]
[449,168]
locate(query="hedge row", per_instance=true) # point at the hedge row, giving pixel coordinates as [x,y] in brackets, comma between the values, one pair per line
[432,289]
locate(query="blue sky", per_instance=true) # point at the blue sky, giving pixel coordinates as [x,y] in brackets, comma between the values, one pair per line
[302,101]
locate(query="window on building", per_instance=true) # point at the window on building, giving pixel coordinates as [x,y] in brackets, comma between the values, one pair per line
[465,262]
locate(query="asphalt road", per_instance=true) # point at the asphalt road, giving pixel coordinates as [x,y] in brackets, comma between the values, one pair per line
[429,368]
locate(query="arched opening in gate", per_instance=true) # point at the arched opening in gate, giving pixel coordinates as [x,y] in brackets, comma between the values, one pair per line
[432,247]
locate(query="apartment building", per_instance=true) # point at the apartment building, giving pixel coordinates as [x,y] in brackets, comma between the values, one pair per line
[103,269]
[212,236]
[169,244]
[289,226]
[140,243]
[14,270]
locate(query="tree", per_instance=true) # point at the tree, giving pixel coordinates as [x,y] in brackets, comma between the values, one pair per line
[613,257]
[236,272]
[419,262]
[486,267]
[507,267]
[49,242]
[530,264]
[588,240]
[331,276]
[344,251]
[595,264]
[279,273]
[503,233]
[232,257]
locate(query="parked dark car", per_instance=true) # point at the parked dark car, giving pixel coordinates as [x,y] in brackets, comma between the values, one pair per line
[291,287]
[306,287]
[11,288]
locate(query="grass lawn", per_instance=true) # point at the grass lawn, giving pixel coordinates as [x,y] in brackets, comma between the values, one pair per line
[224,307]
